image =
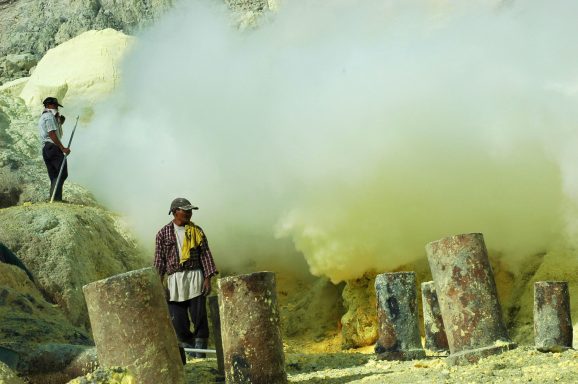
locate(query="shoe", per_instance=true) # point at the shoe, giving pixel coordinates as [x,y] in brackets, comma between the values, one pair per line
[201,344]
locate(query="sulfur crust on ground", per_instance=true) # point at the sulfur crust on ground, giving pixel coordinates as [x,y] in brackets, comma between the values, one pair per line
[114,375]
[522,365]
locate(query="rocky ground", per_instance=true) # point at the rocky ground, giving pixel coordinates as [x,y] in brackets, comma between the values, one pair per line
[522,365]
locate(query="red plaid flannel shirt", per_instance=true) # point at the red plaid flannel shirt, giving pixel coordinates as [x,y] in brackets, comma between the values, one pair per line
[167,255]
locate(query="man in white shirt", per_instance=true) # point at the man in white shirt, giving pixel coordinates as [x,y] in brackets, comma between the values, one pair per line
[53,150]
[182,254]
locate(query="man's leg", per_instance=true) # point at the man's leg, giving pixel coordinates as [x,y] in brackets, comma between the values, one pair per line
[181,324]
[47,156]
[53,158]
[198,311]
[58,194]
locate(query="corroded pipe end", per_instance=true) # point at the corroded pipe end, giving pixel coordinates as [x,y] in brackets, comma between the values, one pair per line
[552,319]
[474,355]
[250,330]
[454,242]
[435,334]
[397,316]
[466,291]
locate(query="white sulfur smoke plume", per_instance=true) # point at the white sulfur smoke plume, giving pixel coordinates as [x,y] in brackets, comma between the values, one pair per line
[344,133]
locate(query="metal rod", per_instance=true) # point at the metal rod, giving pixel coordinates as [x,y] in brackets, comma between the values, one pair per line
[63,162]
[197,350]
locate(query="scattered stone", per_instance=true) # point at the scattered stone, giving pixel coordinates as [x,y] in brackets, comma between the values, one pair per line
[113,375]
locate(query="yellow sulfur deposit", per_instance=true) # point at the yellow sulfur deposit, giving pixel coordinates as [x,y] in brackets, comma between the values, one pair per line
[115,375]
[78,72]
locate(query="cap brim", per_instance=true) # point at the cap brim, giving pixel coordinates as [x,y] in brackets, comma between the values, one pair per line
[60,105]
[185,208]
[188,207]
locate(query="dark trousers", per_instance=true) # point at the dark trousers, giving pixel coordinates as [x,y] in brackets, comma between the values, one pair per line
[197,310]
[53,158]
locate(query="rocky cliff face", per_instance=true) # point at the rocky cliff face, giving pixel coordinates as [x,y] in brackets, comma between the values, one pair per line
[30,27]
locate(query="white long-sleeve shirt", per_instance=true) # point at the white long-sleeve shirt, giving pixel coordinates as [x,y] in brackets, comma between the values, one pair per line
[46,124]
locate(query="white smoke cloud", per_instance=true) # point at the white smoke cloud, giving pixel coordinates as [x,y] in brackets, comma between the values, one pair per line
[347,134]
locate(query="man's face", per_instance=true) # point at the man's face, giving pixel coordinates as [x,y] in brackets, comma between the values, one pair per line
[52,106]
[183,216]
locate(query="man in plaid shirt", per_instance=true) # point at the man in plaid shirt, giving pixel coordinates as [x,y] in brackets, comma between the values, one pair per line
[182,254]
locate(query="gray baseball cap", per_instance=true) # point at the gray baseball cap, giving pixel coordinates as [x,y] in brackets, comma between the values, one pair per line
[181,203]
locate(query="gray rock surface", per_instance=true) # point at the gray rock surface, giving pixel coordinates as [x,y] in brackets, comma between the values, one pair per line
[66,246]
[27,319]
[30,27]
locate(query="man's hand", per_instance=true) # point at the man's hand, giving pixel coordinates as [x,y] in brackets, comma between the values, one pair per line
[206,290]
[56,141]
[167,294]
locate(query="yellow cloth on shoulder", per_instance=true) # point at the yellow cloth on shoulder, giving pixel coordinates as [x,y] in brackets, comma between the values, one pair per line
[193,238]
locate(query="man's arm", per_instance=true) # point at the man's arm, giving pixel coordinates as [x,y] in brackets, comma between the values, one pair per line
[57,142]
[208,264]
[160,261]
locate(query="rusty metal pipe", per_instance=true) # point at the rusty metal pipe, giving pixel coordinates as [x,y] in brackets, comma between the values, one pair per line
[131,326]
[397,317]
[552,322]
[435,333]
[252,344]
[215,317]
[468,298]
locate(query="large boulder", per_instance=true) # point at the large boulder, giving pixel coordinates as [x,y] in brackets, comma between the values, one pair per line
[66,246]
[79,72]
[27,319]
[36,340]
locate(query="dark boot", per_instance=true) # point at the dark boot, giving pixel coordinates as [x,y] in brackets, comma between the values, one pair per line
[183,356]
[201,344]
[184,353]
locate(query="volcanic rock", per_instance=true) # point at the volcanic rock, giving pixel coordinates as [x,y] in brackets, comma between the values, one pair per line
[30,27]
[66,246]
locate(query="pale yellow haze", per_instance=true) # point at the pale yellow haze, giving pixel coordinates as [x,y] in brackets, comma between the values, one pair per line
[347,134]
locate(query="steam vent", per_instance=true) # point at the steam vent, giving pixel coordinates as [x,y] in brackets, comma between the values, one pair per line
[325,142]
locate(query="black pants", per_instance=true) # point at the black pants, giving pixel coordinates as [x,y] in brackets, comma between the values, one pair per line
[53,158]
[197,310]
